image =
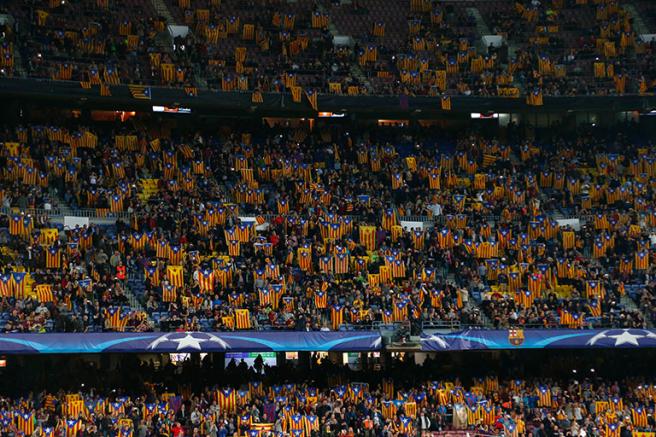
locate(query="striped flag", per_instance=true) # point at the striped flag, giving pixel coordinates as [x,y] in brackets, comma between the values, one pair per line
[336,316]
[206,279]
[140,92]
[257,97]
[175,275]
[18,284]
[72,426]
[488,160]
[534,98]
[312,98]
[5,285]
[243,319]
[44,293]
[445,103]
[25,422]
[227,399]
[104,90]
[296,94]
[53,258]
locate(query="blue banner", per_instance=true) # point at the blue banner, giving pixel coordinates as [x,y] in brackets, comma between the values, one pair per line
[539,339]
[156,342]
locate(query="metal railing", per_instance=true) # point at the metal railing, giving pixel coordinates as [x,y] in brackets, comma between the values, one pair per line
[71,212]
[441,219]
[450,325]
[322,92]
[273,216]
[169,325]
[444,325]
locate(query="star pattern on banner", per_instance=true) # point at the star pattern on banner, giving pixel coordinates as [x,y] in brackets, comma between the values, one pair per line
[626,337]
[437,339]
[190,340]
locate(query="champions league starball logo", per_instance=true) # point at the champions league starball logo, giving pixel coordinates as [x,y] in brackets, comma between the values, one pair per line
[541,339]
[250,341]
[188,341]
[438,340]
[623,337]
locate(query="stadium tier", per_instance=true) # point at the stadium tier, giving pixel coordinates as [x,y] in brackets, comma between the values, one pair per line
[327,218]
[293,229]
[166,396]
[373,47]
[255,409]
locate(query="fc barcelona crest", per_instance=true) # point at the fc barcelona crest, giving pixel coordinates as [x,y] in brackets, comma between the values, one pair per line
[516,336]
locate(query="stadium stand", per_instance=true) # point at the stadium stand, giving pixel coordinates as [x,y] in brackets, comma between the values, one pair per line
[327,218]
[227,232]
[550,48]
[107,45]
[276,46]
[285,228]
[329,399]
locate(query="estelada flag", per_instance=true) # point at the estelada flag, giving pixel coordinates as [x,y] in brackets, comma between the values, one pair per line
[296,93]
[257,97]
[534,98]
[140,92]
[312,98]
[445,103]
[104,90]
[243,319]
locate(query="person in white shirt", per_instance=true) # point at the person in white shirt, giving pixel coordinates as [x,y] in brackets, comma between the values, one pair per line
[435,208]
[424,422]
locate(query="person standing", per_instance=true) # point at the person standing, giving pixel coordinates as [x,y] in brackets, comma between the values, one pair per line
[424,422]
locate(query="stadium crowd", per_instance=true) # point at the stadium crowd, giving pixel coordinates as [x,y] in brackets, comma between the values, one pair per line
[310,225]
[327,400]
[288,229]
[421,47]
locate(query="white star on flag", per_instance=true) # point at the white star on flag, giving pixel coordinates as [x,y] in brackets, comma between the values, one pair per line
[626,337]
[189,341]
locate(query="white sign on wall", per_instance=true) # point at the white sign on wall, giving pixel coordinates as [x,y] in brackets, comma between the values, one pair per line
[176,31]
[412,225]
[572,223]
[70,222]
[263,227]
[343,40]
[494,40]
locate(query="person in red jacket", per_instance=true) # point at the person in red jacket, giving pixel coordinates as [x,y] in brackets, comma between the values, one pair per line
[121,272]
[274,239]
[178,430]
